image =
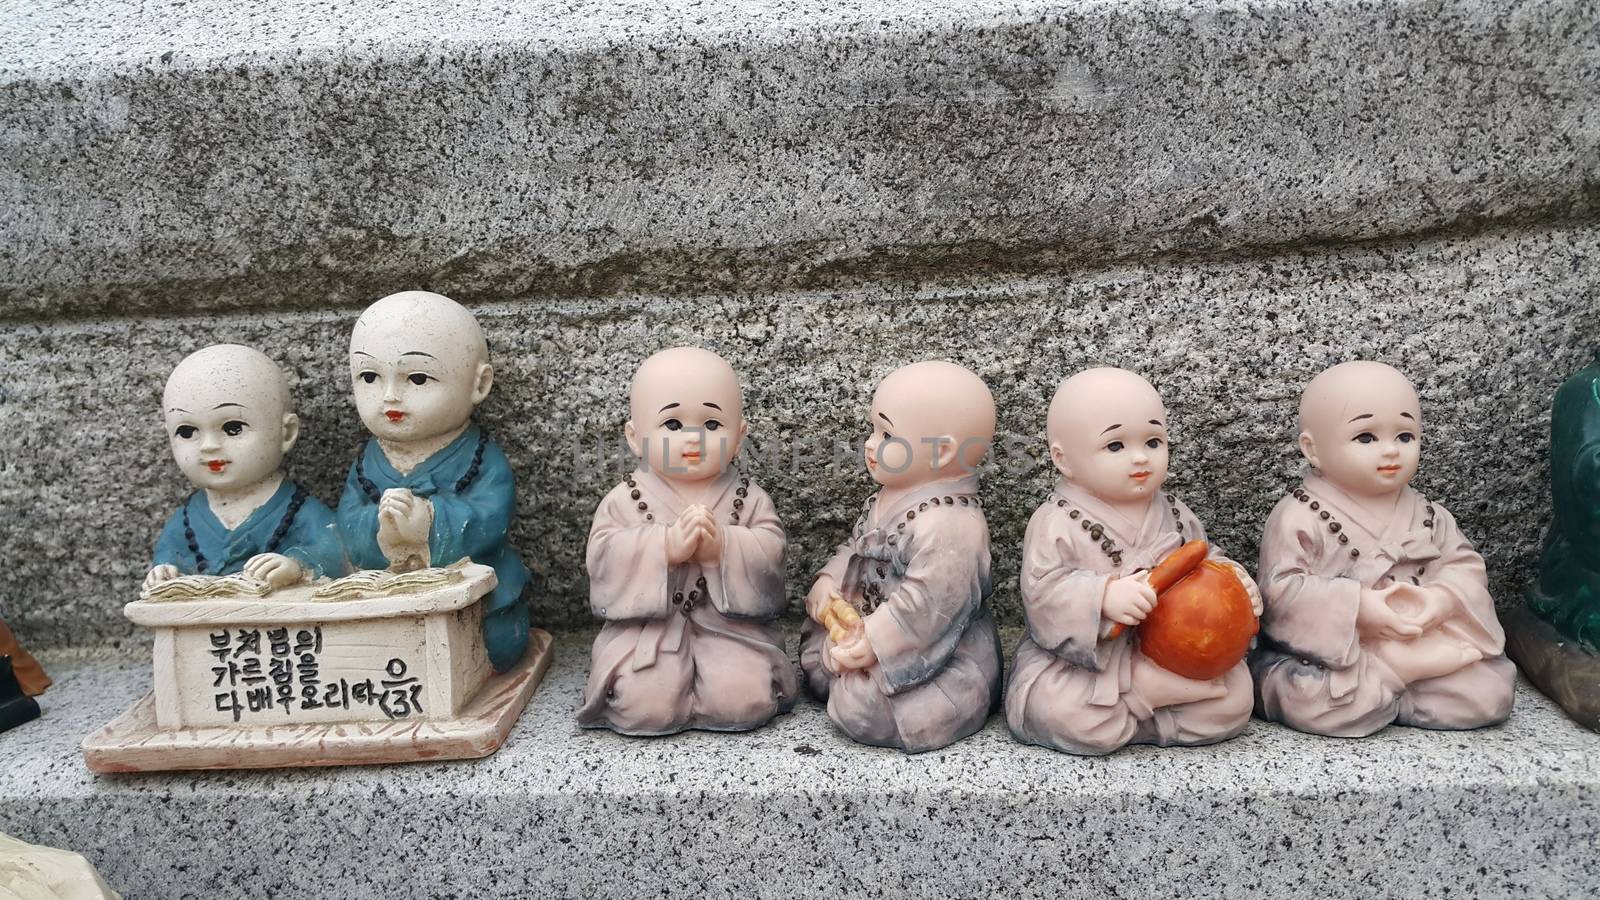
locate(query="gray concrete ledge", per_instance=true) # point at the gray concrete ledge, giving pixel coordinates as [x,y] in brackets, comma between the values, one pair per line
[200,155]
[1488,327]
[798,810]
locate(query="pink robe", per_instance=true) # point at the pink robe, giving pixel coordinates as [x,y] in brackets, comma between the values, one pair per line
[1071,689]
[686,646]
[919,575]
[1314,673]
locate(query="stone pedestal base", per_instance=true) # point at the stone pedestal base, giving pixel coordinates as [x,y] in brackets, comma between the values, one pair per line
[1564,671]
[134,742]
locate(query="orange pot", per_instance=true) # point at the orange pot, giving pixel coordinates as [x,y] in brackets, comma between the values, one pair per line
[1202,624]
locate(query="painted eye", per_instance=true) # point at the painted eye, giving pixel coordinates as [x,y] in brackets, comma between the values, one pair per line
[233,428]
[1405,437]
[1114,446]
[712,424]
[886,436]
[672,424]
[418,378]
[369,377]
[186,431]
[1366,437]
[1153,443]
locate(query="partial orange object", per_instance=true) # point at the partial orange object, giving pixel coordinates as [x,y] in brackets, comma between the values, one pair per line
[27,669]
[839,618]
[1203,620]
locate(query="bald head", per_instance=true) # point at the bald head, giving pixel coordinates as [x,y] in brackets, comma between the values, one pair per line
[1361,428]
[419,366]
[931,420]
[227,374]
[1094,399]
[686,414]
[432,323]
[688,376]
[1333,396]
[1108,435]
[228,419]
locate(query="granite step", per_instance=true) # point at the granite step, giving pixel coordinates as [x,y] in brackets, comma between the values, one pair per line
[797,809]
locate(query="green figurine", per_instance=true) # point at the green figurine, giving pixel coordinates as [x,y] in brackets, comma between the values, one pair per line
[1558,645]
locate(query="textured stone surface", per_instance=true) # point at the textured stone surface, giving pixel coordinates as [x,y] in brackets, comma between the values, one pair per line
[1486,326]
[796,809]
[186,155]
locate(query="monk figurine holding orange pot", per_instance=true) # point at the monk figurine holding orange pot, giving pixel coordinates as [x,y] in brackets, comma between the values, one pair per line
[1082,681]
[1378,608]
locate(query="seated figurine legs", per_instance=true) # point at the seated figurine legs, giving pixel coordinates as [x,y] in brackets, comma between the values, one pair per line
[505,634]
[1209,721]
[648,701]
[1300,694]
[861,711]
[1049,703]
[1477,695]
[738,685]
[813,641]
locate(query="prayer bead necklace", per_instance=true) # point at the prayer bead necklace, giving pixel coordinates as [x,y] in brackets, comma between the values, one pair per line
[461,485]
[200,562]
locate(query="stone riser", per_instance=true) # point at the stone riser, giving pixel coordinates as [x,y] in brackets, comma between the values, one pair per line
[1486,326]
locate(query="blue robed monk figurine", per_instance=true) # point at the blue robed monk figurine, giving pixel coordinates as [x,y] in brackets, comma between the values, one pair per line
[431,488]
[229,422]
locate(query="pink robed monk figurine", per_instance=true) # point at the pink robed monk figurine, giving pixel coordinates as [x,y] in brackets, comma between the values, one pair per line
[1377,607]
[685,564]
[1081,684]
[900,641]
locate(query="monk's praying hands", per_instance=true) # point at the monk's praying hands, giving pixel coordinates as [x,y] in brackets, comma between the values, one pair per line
[683,539]
[708,550]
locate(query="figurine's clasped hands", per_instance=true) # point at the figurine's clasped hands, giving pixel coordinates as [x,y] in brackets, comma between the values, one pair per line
[407,517]
[404,523]
[275,569]
[708,551]
[854,652]
[1128,599]
[1376,618]
[695,536]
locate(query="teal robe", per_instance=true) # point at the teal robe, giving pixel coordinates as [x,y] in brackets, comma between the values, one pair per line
[291,522]
[470,484]
[1567,593]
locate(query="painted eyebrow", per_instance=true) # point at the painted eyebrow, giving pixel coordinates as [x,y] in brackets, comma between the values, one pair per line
[667,407]
[1112,428]
[886,419]
[714,406]
[364,353]
[417,353]
[177,409]
[1157,423]
[221,405]
[1409,416]
[1360,417]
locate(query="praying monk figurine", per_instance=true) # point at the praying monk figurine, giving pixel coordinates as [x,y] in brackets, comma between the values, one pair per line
[685,563]
[1377,607]
[229,422]
[1556,638]
[899,639]
[1081,684]
[431,488]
